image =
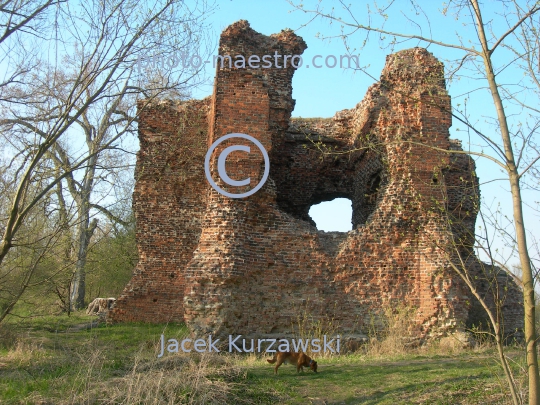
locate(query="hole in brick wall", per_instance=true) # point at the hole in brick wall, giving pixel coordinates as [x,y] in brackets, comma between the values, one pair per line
[332,216]
[375,183]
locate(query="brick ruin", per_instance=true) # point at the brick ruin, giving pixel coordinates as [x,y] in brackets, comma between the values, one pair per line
[251,266]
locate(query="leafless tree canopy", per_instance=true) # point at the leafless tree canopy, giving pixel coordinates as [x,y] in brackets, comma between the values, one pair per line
[72,74]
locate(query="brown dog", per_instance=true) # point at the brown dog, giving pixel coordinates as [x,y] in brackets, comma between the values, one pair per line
[300,360]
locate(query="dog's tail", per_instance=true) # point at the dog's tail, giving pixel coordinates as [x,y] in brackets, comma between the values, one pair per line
[272,360]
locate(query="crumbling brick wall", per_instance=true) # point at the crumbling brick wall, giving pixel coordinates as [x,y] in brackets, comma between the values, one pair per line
[167,203]
[250,266]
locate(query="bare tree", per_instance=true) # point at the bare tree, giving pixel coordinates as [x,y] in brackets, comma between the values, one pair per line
[480,45]
[24,16]
[68,103]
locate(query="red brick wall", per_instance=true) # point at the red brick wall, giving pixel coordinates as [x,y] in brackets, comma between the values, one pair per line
[167,201]
[250,266]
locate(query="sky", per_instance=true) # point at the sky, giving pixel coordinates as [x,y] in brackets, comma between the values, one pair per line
[322,92]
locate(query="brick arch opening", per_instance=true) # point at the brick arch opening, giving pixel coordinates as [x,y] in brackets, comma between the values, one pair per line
[315,162]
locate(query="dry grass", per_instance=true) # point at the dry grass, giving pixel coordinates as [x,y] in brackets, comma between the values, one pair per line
[23,351]
[393,333]
[177,379]
[309,327]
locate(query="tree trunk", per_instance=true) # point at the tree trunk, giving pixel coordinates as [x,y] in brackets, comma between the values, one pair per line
[521,239]
[85,231]
[505,365]
[78,286]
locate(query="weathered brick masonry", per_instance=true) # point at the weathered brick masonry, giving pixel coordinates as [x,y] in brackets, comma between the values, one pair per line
[249,266]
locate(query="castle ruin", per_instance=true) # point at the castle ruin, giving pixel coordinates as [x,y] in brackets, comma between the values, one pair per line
[248,266]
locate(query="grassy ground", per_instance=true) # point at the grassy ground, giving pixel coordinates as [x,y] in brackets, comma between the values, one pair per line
[54,360]
[408,381]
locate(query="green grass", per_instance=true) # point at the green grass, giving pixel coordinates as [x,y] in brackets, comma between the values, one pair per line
[48,360]
[407,381]
[51,359]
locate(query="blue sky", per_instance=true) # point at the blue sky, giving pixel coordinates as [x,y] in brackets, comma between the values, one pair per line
[322,92]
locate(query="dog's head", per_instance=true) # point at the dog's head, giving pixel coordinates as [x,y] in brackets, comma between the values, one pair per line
[313,365]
